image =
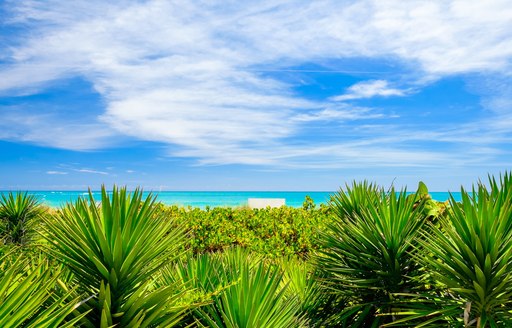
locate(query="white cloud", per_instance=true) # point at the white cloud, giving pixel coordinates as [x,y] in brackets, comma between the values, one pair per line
[339,114]
[91,171]
[369,89]
[56,172]
[186,73]
[51,130]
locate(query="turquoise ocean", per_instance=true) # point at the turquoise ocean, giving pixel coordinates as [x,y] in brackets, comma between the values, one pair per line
[203,199]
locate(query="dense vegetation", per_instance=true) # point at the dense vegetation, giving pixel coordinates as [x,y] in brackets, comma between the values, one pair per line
[371,258]
[272,232]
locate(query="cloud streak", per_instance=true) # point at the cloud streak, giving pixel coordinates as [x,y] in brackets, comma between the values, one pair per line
[56,173]
[90,171]
[369,89]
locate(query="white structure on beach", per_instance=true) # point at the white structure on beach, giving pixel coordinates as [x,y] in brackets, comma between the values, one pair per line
[264,202]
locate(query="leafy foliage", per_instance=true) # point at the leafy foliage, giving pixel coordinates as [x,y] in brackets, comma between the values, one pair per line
[354,200]
[245,292]
[17,213]
[113,250]
[27,298]
[432,209]
[366,255]
[470,257]
[273,232]
[303,281]
[370,259]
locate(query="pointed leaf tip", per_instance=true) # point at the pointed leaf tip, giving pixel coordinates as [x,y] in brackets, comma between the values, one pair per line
[422,188]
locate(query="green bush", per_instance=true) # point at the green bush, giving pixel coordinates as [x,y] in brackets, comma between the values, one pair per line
[273,232]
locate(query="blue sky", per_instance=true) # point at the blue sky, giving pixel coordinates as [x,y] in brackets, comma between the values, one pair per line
[265,95]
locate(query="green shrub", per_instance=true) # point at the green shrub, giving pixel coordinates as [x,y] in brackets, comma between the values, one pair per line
[273,232]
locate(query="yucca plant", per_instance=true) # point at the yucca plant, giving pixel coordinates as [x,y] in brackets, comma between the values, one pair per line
[17,212]
[355,199]
[366,252]
[115,249]
[27,297]
[205,276]
[302,279]
[256,300]
[244,292]
[209,272]
[470,257]
[500,188]
[298,277]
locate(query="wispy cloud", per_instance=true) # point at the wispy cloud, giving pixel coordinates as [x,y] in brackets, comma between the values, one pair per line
[49,129]
[56,172]
[339,113]
[369,89]
[190,75]
[91,171]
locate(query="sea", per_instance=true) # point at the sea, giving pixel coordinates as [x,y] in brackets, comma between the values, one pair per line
[203,199]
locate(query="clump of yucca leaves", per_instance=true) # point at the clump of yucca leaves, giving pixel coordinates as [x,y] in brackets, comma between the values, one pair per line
[245,291]
[468,258]
[399,269]
[28,295]
[115,251]
[17,213]
[366,255]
